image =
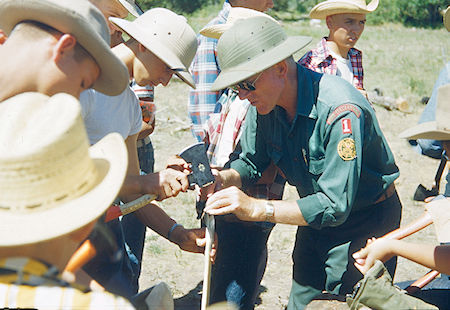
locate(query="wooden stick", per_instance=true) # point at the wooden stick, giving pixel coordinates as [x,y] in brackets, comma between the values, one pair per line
[421,282]
[207,260]
[423,221]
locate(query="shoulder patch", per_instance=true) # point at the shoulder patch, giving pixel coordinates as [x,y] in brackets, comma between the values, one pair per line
[346,149]
[343,108]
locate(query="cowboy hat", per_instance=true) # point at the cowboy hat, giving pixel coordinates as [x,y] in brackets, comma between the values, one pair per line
[52,182]
[236,13]
[167,35]
[331,7]
[447,18]
[250,46]
[131,7]
[438,129]
[79,18]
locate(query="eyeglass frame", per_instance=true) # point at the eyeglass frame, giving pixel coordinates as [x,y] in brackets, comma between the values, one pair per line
[245,85]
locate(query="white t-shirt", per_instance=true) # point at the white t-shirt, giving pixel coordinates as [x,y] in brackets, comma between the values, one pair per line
[344,67]
[104,114]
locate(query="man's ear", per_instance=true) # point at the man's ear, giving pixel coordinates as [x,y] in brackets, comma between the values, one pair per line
[281,69]
[65,44]
[3,37]
[329,21]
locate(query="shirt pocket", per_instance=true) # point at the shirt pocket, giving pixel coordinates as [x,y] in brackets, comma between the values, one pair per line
[316,165]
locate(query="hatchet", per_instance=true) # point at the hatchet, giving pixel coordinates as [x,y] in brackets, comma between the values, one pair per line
[422,192]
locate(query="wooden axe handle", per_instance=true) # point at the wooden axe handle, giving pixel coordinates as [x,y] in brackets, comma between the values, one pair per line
[423,221]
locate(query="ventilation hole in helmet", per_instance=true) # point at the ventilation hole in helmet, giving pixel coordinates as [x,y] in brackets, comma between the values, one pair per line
[169,33]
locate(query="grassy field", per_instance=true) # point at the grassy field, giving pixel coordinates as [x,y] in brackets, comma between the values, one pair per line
[403,62]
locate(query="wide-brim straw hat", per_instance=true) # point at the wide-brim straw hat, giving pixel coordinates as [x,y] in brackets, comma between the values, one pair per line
[131,7]
[447,18]
[331,7]
[81,19]
[51,181]
[167,35]
[236,13]
[438,129]
[250,46]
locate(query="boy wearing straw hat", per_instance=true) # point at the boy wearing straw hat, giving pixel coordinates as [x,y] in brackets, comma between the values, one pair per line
[54,188]
[205,68]
[325,138]
[336,54]
[161,44]
[57,46]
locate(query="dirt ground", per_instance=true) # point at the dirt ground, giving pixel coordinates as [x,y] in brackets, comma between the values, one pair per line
[183,272]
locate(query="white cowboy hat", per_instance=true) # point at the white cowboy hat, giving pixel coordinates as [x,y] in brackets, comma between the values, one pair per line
[131,7]
[331,7]
[438,129]
[79,18]
[167,35]
[51,181]
[250,46]
[236,13]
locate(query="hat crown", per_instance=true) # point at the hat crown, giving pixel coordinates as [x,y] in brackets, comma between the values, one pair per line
[44,158]
[171,33]
[249,38]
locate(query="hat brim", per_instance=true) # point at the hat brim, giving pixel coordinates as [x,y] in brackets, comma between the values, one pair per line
[428,130]
[113,76]
[234,75]
[133,9]
[153,45]
[214,31]
[110,159]
[327,8]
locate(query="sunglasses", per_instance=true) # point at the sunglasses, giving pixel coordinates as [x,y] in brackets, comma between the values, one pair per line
[246,85]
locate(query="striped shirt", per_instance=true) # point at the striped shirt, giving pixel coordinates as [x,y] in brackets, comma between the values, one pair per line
[31,284]
[205,69]
[321,60]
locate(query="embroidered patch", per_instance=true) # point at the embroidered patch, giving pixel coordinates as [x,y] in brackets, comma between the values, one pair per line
[346,149]
[343,108]
[346,125]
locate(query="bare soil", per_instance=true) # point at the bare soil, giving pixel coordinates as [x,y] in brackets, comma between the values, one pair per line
[183,272]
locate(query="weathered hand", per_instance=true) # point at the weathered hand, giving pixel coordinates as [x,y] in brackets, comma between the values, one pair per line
[178,163]
[375,249]
[166,183]
[233,200]
[207,191]
[193,240]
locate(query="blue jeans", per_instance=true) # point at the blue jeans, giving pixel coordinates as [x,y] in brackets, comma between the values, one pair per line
[146,155]
[240,262]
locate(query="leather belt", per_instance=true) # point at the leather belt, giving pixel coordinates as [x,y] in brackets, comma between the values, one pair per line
[387,193]
[142,142]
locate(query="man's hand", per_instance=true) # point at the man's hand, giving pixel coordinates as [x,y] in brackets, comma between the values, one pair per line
[233,200]
[193,240]
[376,249]
[166,183]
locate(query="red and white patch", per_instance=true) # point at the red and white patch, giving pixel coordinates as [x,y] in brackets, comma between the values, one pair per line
[346,126]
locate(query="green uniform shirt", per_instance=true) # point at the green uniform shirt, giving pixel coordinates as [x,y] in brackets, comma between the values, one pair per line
[333,152]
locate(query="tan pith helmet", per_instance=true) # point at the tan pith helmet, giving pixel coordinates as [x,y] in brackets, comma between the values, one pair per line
[167,35]
[79,18]
[52,182]
[250,46]
[331,7]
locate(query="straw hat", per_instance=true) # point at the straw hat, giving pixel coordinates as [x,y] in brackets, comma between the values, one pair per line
[131,7]
[167,35]
[447,18]
[236,13]
[51,181]
[250,46]
[438,129]
[79,18]
[331,7]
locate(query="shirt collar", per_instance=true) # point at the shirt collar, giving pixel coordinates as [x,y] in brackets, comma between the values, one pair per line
[307,91]
[322,52]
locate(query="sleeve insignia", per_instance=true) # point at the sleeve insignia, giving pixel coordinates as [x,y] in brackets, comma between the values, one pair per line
[346,149]
[342,108]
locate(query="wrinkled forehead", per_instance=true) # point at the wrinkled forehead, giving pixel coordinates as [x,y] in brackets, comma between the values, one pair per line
[111,8]
[348,16]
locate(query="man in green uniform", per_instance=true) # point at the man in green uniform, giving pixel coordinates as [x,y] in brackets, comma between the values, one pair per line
[324,136]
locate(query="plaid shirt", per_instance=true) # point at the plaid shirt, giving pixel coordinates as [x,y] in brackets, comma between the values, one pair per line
[321,60]
[214,131]
[31,284]
[146,97]
[205,69]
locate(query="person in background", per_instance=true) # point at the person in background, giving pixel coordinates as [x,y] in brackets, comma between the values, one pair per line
[336,54]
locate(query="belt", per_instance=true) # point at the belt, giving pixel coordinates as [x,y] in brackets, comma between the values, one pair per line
[142,142]
[387,193]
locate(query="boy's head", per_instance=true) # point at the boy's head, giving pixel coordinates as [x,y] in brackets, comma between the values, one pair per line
[74,35]
[163,43]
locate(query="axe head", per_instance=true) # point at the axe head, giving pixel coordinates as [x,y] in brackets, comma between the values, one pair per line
[201,171]
[422,193]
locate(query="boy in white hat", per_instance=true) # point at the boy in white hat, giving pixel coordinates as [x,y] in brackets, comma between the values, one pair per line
[336,54]
[325,138]
[54,188]
[205,68]
[57,46]
[161,43]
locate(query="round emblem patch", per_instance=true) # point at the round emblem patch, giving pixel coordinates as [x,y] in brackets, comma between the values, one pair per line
[346,149]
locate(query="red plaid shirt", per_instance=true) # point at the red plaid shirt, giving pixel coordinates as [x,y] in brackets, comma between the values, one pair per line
[321,60]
